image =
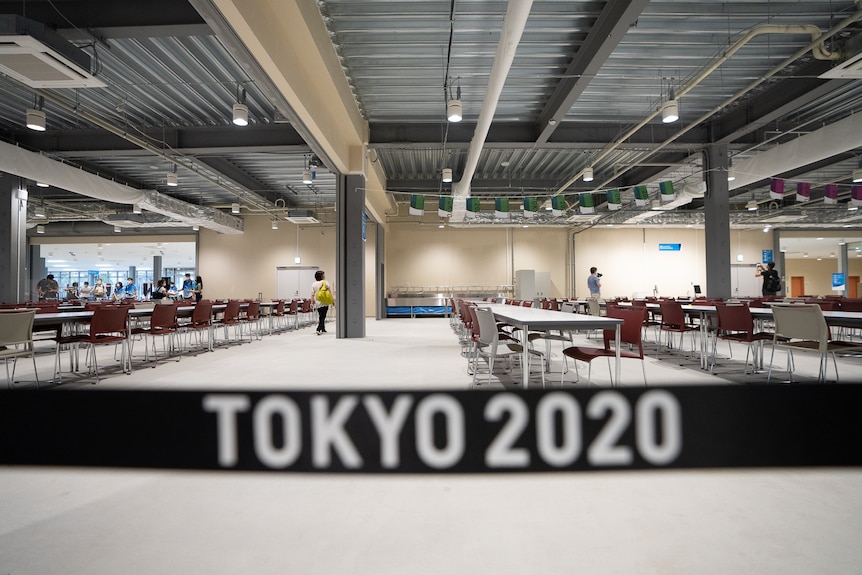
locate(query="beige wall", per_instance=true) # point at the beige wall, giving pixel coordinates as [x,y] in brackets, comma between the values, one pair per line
[430,256]
[240,266]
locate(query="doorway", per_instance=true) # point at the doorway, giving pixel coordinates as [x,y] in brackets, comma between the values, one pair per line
[853,286]
[797,286]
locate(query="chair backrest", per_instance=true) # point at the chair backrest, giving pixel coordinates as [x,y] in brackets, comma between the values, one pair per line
[202,315]
[472,321]
[109,320]
[801,321]
[851,305]
[487,327]
[231,311]
[252,312]
[630,330]
[16,327]
[294,303]
[568,307]
[734,317]
[164,317]
[671,314]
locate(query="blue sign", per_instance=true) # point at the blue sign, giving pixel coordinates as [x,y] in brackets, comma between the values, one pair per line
[669,247]
[838,281]
[364,225]
[766,256]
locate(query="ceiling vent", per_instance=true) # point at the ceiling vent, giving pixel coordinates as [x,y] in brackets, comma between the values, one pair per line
[302,217]
[40,58]
[850,66]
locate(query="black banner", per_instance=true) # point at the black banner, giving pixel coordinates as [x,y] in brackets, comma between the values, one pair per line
[436,431]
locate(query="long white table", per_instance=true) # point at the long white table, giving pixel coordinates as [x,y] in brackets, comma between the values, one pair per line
[527,318]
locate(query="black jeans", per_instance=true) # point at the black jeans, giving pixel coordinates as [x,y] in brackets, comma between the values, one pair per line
[321,312]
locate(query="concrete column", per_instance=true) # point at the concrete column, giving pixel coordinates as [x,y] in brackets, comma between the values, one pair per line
[842,268]
[14,276]
[717,226]
[350,256]
[380,274]
[157,270]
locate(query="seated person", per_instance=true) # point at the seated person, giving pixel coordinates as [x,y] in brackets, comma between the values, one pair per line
[131,290]
[161,292]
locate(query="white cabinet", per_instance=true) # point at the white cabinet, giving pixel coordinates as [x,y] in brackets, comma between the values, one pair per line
[294,281]
[530,284]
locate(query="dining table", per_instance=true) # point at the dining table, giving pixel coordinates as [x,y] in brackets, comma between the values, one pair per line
[536,319]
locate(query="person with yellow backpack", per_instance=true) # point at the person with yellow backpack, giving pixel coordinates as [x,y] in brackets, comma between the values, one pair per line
[322,296]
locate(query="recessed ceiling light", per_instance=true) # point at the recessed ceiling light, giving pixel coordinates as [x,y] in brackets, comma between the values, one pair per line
[819,238]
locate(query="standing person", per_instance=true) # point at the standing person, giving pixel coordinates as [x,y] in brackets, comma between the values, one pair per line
[188,287]
[594,283]
[771,279]
[118,292]
[85,291]
[322,296]
[48,288]
[99,290]
[199,288]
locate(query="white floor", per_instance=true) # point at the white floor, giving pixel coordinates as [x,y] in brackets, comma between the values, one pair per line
[75,521]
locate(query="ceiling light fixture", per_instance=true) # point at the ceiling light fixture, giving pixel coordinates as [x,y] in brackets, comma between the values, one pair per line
[234,208]
[670,108]
[275,224]
[306,177]
[39,210]
[136,208]
[454,110]
[171,177]
[731,174]
[42,184]
[240,114]
[117,229]
[669,111]
[588,174]
[40,229]
[195,228]
[751,206]
[447,175]
[857,174]
[36,116]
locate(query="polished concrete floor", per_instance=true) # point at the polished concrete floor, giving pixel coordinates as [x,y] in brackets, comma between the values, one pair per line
[85,521]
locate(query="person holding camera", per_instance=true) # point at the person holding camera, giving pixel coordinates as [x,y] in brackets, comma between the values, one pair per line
[771,279]
[594,283]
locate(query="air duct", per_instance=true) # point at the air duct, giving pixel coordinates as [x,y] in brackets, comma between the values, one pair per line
[510,36]
[32,166]
[828,141]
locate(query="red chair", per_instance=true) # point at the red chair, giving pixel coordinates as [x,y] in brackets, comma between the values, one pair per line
[736,324]
[163,323]
[231,319]
[202,321]
[630,333]
[673,320]
[251,319]
[109,326]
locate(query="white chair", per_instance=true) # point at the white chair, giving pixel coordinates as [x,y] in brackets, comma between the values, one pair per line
[16,340]
[802,327]
[490,346]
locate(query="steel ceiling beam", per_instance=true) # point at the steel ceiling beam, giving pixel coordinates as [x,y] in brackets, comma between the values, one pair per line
[522,135]
[604,36]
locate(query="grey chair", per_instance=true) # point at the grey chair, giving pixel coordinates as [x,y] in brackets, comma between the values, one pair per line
[16,340]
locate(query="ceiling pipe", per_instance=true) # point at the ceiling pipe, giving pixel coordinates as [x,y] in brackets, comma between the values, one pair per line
[510,36]
[816,46]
